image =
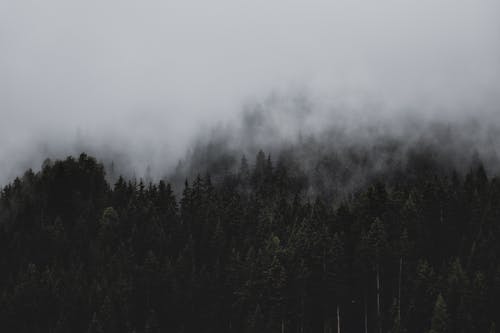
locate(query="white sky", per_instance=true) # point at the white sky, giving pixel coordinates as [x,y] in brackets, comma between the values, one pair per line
[142,76]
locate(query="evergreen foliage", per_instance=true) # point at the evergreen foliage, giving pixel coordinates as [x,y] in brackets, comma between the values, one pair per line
[252,251]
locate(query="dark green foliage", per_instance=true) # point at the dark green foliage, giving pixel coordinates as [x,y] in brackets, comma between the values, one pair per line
[259,249]
[440,318]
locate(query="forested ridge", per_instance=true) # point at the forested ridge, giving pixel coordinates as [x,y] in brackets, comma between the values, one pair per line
[249,251]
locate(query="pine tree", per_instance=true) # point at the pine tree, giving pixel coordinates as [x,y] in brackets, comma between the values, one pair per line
[95,326]
[375,243]
[440,319]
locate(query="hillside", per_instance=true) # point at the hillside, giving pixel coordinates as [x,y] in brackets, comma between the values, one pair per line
[250,251]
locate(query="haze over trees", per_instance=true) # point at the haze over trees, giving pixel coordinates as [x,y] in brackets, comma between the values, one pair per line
[250,250]
[250,166]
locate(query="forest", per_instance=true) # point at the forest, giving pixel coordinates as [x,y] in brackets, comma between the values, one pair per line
[251,250]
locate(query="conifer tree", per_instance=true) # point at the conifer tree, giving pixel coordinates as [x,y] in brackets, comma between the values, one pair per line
[440,317]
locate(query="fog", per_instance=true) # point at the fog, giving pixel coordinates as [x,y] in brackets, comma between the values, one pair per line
[139,82]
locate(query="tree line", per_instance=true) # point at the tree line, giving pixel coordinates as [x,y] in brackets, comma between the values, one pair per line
[249,251]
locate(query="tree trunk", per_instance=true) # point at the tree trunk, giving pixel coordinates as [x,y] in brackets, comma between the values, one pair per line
[378,300]
[366,317]
[303,315]
[338,319]
[327,324]
[282,325]
[399,290]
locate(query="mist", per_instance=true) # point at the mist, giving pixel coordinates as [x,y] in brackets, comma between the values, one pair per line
[141,83]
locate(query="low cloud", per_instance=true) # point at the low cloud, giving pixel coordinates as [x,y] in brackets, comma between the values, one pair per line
[141,82]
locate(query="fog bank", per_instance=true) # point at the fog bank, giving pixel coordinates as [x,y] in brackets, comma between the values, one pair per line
[140,82]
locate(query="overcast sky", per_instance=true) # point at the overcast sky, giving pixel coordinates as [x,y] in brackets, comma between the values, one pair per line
[143,75]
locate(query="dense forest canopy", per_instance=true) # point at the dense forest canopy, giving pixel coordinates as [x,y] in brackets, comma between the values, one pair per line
[251,249]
